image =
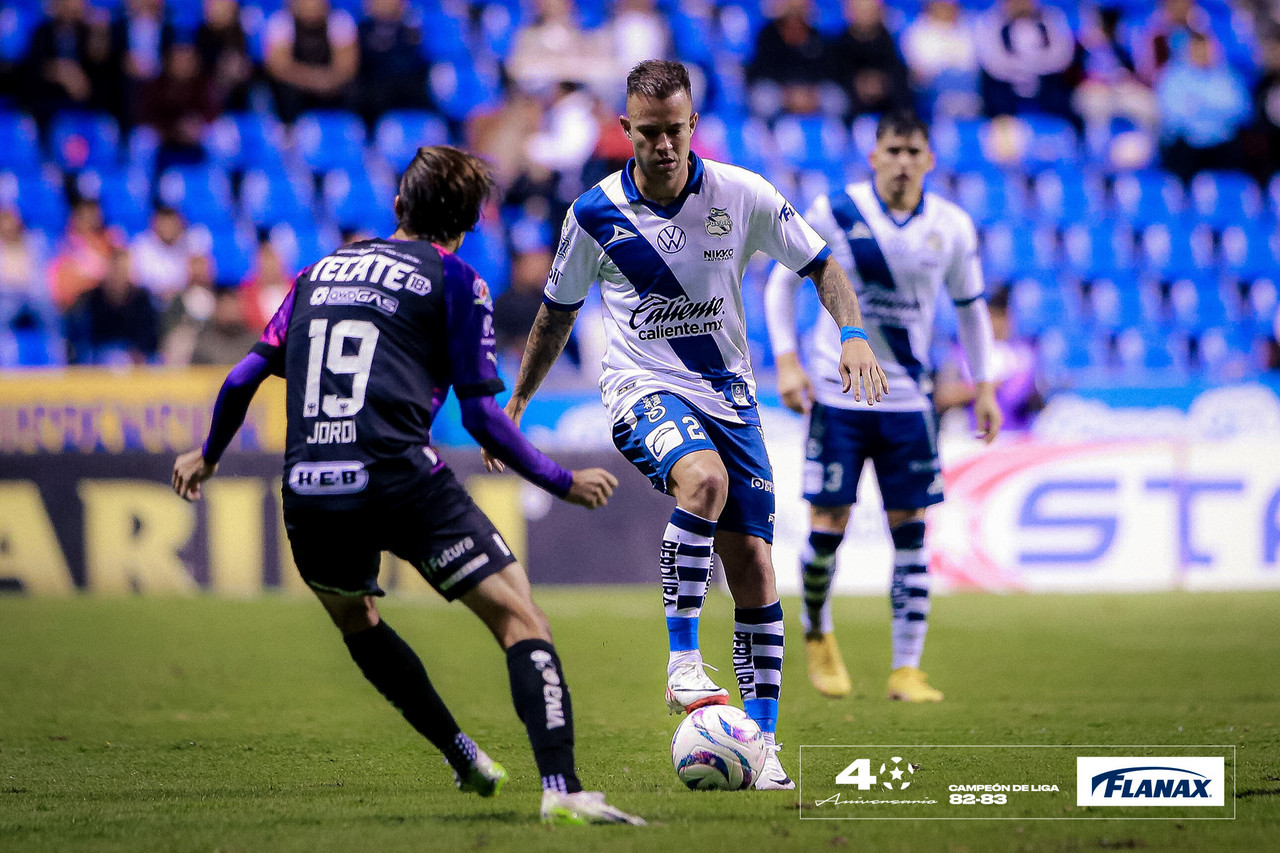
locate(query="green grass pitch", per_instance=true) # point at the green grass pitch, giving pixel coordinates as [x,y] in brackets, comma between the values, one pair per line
[222,725]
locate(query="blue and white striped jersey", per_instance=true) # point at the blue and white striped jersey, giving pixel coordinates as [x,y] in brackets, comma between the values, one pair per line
[671,282]
[898,271]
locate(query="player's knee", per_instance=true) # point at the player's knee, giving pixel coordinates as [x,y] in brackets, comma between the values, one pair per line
[830,519]
[707,491]
[525,622]
[351,615]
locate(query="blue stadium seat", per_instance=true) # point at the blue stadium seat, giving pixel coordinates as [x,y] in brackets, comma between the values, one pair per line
[958,144]
[353,200]
[499,23]
[486,251]
[242,141]
[1149,196]
[1036,304]
[84,140]
[302,243]
[38,196]
[271,197]
[1176,248]
[1011,250]
[1052,141]
[1099,248]
[1195,304]
[1261,300]
[400,133]
[990,196]
[1064,350]
[1112,304]
[202,193]
[693,36]
[1224,351]
[19,141]
[330,139]
[1224,198]
[1250,249]
[1147,355]
[444,37]
[1066,196]
[739,23]
[232,249]
[124,194]
[810,142]
[746,139]
[17,22]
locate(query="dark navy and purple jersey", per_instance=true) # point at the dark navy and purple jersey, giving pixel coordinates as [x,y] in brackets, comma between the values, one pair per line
[369,340]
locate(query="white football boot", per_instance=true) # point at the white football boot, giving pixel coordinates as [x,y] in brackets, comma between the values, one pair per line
[584,807]
[689,687]
[772,777]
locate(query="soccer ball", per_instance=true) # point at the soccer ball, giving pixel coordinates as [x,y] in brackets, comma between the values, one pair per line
[718,747]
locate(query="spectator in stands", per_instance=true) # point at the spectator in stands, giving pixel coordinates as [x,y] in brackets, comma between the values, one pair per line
[187,312]
[565,138]
[639,32]
[1025,51]
[938,47]
[866,62]
[115,322]
[179,104]
[83,256]
[139,39]
[226,337]
[393,72]
[1166,36]
[790,62]
[162,255]
[1266,102]
[312,56]
[224,53]
[1111,87]
[24,299]
[515,308]
[68,62]
[553,48]
[1203,106]
[266,286]
[1016,369]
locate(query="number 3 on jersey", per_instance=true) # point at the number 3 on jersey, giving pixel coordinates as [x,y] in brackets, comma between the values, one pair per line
[338,362]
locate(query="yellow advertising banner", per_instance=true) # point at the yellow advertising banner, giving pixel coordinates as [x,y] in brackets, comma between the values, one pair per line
[150,409]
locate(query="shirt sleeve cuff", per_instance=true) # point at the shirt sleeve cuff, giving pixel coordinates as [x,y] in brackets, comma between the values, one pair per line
[483,388]
[560,306]
[808,268]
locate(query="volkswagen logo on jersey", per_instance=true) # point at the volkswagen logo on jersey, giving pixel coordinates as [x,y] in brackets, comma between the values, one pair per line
[671,239]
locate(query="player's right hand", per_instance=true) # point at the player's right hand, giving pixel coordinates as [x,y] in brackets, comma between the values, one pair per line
[794,386]
[189,471]
[592,488]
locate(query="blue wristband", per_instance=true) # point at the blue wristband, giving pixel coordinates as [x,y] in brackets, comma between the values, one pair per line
[848,333]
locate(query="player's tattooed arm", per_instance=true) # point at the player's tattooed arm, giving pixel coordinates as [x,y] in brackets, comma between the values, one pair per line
[547,340]
[859,369]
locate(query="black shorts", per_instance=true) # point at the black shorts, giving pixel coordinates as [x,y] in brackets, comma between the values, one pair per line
[441,533]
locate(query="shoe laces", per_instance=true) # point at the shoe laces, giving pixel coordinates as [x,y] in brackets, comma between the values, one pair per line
[695,669]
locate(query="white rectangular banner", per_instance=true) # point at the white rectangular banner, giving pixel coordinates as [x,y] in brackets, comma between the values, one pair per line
[1150,781]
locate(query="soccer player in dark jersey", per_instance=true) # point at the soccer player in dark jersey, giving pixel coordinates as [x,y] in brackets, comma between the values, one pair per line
[369,341]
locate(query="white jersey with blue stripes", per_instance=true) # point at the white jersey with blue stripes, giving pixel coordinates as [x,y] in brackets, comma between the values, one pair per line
[671,282]
[898,269]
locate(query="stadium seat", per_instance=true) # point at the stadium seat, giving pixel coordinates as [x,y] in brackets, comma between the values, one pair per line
[990,196]
[745,138]
[17,22]
[38,196]
[444,36]
[461,88]
[1224,352]
[124,194]
[330,139]
[1011,250]
[1194,304]
[1223,198]
[1098,248]
[399,134]
[1176,249]
[1051,141]
[739,23]
[354,200]
[1111,305]
[240,141]
[302,243]
[84,140]
[19,142]
[1149,196]
[1250,249]
[271,197]
[1064,196]
[1261,301]
[201,193]
[1036,305]
[959,144]
[486,251]
[499,23]
[1064,350]
[231,248]
[810,142]
[1149,355]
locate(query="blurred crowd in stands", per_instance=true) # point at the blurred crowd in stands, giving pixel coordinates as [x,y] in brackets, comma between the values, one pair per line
[167,167]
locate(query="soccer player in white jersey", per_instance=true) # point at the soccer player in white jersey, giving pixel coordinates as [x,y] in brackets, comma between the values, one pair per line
[668,238]
[901,245]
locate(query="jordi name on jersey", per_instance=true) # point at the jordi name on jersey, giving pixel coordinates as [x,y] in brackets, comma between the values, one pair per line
[332,432]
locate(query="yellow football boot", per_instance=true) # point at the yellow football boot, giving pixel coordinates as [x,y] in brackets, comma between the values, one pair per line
[826,667]
[908,684]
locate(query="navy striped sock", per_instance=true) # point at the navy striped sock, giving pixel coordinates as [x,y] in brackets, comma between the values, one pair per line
[818,570]
[757,661]
[686,574]
[909,595]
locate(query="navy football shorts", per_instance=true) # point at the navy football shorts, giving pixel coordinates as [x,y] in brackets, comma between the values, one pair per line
[902,446]
[667,428]
[441,533]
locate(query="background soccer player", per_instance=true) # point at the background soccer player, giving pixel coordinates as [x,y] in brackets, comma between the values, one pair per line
[369,341]
[669,237]
[902,246]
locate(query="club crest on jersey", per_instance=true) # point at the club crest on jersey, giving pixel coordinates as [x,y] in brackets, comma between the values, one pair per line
[718,222]
[738,390]
[671,239]
[481,290]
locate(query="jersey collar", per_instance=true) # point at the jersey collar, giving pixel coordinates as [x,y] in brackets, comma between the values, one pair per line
[888,214]
[666,211]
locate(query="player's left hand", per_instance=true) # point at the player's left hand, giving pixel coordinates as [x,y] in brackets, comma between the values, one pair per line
[986,412]
[860,371]
[189,471]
